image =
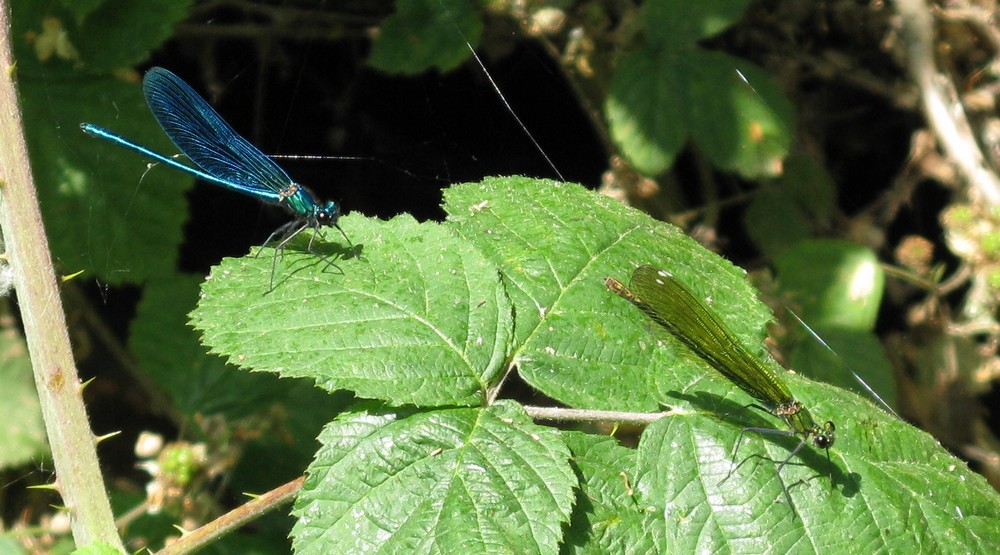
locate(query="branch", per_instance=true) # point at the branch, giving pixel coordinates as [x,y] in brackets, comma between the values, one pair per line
[944,113]
[232,520]
[586,415]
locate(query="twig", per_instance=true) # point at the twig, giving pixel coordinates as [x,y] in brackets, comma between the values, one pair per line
[584,415]
[232,520]
[944,113]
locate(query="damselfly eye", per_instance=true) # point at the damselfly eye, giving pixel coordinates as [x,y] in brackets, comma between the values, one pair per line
[824,439]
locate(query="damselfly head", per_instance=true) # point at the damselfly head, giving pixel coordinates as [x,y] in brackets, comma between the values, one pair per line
[327,214]
[823,437]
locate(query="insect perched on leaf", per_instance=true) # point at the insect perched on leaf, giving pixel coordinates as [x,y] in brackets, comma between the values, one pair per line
[223,157]
[666,300]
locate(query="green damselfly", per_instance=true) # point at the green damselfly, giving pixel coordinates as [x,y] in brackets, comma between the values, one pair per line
[669,303]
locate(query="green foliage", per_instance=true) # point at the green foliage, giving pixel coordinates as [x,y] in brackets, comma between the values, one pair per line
[845,352]
[606,517]
[662,93]
[428,320]
[645,109]
[438,337]
[104,212]
[446,481]
[674,25]
[565,317]
[669,89]
[425,34]
[836,283]
[413,315]
[170,354]
[101,35]
[288,442]
[119,235]
[792,208]
[96,549]
[22,439]
[10,546]
[837,288]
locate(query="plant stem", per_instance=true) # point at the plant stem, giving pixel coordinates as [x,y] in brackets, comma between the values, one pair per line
[586,415]
[944,113]
[79,479]
[232,520]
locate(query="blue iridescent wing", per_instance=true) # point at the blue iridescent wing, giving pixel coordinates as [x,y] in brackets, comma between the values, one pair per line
[204,137]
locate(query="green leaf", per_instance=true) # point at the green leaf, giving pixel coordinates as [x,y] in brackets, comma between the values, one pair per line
[555,243]
[793,208]
[425,34]
[606,516]
[10,546]
[122,33]
[812,187]
[105,212]
[101,36]
[22,439]
[659,98]
[82,8]
[894,488]
[98,548]
[676,25]
[586,347]
[645,109]
[836,288]
[746,128]
[449,481]
[412,315]
[842,353]
[410,478]
[834,283]
[287,442]
[775,222]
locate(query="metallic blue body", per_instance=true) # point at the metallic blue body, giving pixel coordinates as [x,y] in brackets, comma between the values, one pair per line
[221,155]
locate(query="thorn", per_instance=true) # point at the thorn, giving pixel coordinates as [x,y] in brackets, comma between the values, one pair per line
[54,486]
[71,276]
[180,529]
[99,439]
[86,383]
